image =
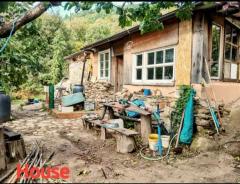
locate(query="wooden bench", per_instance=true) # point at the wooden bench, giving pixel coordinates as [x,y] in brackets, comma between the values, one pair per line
[124,137]
[145,117]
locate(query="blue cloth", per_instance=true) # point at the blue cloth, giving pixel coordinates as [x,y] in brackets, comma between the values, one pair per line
[139,103]
[187,130]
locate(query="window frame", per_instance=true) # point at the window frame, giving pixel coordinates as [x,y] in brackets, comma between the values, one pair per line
[104,68]
[145,66]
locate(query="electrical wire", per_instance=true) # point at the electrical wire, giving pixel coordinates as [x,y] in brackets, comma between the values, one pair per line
[10,35]
[158,158]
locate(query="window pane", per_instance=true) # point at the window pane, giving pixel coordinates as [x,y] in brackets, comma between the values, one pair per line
[227,51]
[101,73]
[159,57]
[151,58]
[139,74]
[106,64]
[106,73]
[169,56]
[106,56]
[168,72]
[150,72]
[101,64]
[139,60]
[215,50]
[234,36]
[234,53]
[159,73]
[101,57]
[215,42]
[214,69]
[228,32]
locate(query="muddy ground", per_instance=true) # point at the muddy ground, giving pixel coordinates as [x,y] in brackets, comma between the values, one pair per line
[88,157]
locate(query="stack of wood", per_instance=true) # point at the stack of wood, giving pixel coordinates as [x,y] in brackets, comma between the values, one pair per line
[100,92]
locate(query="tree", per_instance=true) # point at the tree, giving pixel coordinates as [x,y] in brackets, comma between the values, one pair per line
[147,13]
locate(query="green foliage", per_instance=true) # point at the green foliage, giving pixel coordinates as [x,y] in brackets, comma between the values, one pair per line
[147,13]
[184,92]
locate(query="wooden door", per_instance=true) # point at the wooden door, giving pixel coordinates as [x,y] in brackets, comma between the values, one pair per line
[119,74]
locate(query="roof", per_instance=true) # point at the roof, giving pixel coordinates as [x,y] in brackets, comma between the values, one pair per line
[136,28]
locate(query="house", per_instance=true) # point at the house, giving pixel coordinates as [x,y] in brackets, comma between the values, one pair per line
[175,55]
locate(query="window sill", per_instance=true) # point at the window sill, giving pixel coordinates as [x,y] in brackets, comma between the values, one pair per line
[165,84]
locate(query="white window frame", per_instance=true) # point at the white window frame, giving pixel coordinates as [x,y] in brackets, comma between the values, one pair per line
[144,67]
[109,65]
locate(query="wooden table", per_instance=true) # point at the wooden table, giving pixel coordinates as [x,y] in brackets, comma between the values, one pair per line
[145,117]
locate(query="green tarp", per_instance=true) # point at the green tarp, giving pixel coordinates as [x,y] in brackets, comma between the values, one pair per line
[72,99]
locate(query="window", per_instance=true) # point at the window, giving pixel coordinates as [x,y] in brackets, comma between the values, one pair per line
[154,67]
[104,65]
[216,34]
[139,64]
[231,51]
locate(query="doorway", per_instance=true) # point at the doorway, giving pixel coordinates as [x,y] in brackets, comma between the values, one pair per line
[119,73]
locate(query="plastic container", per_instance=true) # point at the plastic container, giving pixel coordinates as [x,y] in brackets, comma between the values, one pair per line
[153,141]
[147,92]
[165,140]
[5,107]
[77,88]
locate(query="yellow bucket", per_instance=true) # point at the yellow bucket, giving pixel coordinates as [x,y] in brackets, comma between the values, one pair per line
[153,140]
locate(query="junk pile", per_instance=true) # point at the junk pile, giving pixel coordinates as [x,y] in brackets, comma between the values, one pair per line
[33,159]
[12,147]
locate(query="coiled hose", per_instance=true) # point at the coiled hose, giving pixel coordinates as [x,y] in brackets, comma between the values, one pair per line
[158,158]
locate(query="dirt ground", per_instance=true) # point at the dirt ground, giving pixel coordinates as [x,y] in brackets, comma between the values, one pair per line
[87,156]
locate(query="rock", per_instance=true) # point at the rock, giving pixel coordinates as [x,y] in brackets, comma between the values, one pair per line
[203,144]
[233,148]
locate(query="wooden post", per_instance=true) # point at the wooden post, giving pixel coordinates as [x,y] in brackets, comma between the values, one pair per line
[111,113]
[3,163]
[125,144]
[146,127]
[103,133]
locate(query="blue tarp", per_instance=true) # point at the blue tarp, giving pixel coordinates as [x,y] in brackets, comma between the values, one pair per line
[187,130]
[139,103]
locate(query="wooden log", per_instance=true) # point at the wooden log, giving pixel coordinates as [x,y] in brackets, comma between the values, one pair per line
[3,162]
[103,133]
[16,149]
[125,144]
[146,128]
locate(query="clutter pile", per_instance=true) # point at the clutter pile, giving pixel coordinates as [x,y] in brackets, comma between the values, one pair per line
[33,159]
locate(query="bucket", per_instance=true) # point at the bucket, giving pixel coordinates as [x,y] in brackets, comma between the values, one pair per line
[165,140]
[153,141]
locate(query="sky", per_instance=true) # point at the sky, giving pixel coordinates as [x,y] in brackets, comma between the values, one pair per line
[63,13]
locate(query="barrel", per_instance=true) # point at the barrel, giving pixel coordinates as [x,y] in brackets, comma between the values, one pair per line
[77,88]
[5,107]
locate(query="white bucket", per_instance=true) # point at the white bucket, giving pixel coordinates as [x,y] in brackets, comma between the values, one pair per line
[165,140]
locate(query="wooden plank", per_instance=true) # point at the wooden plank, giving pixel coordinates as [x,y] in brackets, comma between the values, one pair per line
[3,163]
[125,131]
[129,108]
[146,128]
[127,118]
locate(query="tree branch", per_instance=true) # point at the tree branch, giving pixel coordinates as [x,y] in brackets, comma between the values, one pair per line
[30,15]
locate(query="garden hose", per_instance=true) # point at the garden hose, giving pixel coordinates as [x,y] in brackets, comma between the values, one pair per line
[158,158]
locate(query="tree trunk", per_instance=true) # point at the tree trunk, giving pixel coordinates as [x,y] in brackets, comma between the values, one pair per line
[31,15]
